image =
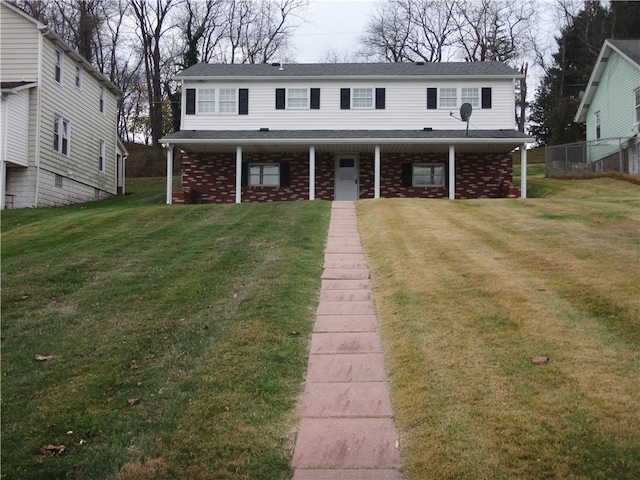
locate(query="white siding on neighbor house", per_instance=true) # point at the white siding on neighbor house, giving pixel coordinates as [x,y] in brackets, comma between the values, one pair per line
[614,99]
[87,125]
[17,128]
[405,106]
[19,39]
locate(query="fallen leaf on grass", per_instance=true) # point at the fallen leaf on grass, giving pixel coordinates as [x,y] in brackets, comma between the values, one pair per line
[52,450]
[133,401]
[133,365]
[44,358]
[540,360]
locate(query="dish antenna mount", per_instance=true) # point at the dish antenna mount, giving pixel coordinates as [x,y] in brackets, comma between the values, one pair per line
[465,114]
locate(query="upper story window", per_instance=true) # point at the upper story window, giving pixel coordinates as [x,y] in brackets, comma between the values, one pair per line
[207,100]
[297,98]
[61,135]
[363,98]
[102,99]
[448,97]
[596,122]
[58,66]
[636,95]
[471,95]
[78,75]
[227,101]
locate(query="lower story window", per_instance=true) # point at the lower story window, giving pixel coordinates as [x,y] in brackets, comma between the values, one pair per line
[428,175]
[264,174]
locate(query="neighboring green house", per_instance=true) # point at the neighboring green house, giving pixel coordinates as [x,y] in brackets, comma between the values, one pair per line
[610,108]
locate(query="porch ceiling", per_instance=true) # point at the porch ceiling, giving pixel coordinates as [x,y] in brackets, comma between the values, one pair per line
[348,141]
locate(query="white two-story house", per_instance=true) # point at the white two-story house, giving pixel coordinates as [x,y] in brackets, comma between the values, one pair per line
[58,120]
[272,132]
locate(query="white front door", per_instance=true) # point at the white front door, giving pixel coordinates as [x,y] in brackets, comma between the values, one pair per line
[346,185]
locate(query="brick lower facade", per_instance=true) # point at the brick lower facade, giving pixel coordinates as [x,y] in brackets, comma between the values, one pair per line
[211,177]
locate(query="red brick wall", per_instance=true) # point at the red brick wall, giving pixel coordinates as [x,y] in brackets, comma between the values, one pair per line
[210,178]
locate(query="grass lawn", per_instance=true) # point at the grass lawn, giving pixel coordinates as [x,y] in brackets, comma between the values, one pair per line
[178,337]
[468,292]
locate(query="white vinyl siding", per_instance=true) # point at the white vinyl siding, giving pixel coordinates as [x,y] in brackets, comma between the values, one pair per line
[405,102]
[17,133]
[18,48]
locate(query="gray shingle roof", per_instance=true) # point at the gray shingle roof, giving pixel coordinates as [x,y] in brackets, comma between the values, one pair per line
[630,48]
[320,70]
[272,136]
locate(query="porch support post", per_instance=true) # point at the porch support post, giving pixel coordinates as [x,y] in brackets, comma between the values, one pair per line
[376,169]
[169,148]
[523,172]
[3,180]
[312,173]
[238,174]
[452,172]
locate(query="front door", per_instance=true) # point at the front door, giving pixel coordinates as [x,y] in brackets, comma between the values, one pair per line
[346,185]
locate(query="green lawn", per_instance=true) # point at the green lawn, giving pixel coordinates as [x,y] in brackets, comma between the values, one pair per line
[202,313]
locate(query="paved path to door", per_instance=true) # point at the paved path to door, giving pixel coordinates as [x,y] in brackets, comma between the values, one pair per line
[347,430]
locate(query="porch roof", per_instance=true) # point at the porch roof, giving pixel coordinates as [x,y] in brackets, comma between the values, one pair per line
[391,141]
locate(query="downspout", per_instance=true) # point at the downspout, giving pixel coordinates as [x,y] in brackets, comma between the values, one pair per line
[169,148]
[3,168]
[523,170]
[38,115]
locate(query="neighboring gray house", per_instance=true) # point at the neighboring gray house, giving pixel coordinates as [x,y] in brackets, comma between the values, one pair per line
[58,120]
[610,108]
[252,133]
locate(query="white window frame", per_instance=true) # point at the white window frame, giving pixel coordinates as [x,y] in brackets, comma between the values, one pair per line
[61,133]
[102,91]
[636,104]
[470,95]
[450,100]
[226,104]
[101,156]
[209,102]
[57,68]
[362,98]
[428,179]
[260,178]
[297,98]
[597,125]
[78,75]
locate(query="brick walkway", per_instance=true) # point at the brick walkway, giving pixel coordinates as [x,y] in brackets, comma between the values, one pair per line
[346,429]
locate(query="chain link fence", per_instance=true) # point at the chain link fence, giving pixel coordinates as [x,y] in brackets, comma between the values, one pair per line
[584,158]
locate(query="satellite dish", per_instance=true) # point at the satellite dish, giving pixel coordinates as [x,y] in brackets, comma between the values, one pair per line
[465,111]
[465,114]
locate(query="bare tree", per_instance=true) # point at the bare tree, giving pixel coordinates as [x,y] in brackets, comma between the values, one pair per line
[387,32]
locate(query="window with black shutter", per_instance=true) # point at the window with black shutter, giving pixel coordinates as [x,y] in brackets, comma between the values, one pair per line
[380,98]
[432,98]
[345,99]
[243,101]
[191,101]
[315,99]
[486,97]
[280,98]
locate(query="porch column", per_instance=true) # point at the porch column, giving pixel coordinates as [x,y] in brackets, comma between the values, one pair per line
[376,169]
[238,174]
[523,168]
[452,172]
[3,181]
[312,173]
[169,148]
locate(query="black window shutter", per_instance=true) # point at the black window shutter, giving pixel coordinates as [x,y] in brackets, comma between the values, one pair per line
[280,93]
[243,101]
[191,101]
[315,99]
[380,98]
[486,97]
[345,99]
[244,176]
[285,174]
[432,98]
[407,174]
